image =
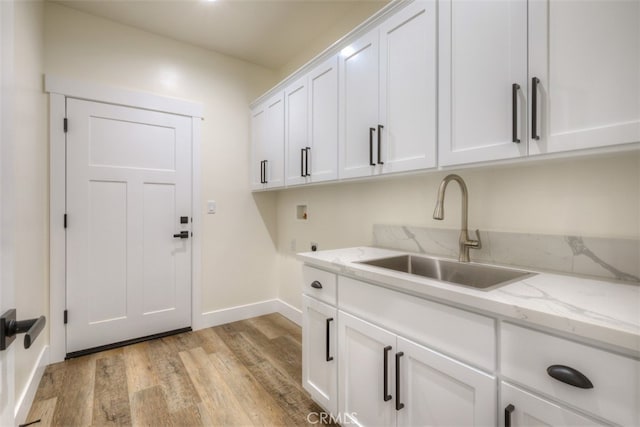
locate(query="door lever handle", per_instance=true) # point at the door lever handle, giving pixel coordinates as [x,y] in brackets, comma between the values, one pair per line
[182,235]
[10,327]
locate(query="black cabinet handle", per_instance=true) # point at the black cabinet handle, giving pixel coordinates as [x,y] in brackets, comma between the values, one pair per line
[265,171]
[385,392]
[507,415]
[534,108]
[399,405]
[317,285]
[569,376]
[329,320]
[514,110]
[306,161]
[380,127]
[371,131]
[182,235]
[302,152]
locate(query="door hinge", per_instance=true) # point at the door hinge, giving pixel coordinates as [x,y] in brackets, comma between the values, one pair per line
[66,317]
[65,220]
[65,125]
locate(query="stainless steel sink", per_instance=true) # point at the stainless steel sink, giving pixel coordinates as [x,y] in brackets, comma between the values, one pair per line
[474,275]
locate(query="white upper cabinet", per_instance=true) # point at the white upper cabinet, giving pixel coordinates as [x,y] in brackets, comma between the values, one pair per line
[482,80]
[257,147]
[388,96]
[359,81]
[267,168]
[408,93]
[311,126]
[586,57]
[322,156]
[296,132]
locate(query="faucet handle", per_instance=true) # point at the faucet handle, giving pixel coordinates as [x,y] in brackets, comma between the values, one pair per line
[475,244]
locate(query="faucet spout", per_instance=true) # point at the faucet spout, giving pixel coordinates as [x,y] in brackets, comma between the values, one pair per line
[465,242]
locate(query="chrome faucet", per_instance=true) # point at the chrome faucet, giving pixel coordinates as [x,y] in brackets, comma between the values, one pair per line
[438,213]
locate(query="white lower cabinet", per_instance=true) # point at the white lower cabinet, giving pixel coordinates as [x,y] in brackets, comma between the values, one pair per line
[319,361]
[373,356]
[523,409]
[387,380]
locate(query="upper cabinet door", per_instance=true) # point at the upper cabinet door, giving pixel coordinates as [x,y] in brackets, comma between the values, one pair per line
[359,102]
[586,56]
[408,93]
[482,57]
[322,155]
[258,135]
[274,141]
[296,132]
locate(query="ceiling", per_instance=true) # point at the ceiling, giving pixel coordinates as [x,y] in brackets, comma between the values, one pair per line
[264,32]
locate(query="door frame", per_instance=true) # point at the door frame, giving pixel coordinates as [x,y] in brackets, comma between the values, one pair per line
[59,89]
[8,409]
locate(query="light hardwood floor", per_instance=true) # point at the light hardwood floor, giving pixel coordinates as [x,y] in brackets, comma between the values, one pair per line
[244,373]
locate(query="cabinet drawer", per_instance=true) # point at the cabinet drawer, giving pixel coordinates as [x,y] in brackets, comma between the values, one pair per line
[526,354]
[468,336]
[319,284]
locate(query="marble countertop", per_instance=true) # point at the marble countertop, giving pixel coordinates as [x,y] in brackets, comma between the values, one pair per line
[595,310]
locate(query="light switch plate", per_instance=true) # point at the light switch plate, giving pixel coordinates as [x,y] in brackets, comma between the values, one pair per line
[211,206]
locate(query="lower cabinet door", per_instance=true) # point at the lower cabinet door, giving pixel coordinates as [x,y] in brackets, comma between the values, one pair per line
[436,390]
[364,399]
[319,352]
[520,408]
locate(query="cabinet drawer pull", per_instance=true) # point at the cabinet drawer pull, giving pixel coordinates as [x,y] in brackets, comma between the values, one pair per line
[380,127]
[534,108]
[385,392]
[302,152]
[316,285]
[507,415]
[569,376]
[399,405]
[329,320]
[514,111]
[371,131]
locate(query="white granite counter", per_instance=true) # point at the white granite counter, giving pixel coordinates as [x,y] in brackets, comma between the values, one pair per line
[595,310]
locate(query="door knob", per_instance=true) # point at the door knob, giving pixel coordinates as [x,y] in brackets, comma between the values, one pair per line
[10,327]
[182,235]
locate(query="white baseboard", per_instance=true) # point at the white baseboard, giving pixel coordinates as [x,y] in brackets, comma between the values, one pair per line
[290,312]
[24,402]
[242,312]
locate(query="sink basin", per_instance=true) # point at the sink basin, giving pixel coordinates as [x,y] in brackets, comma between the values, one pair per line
[474,275]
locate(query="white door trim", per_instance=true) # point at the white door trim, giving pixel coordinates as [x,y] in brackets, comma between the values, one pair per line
[58,89]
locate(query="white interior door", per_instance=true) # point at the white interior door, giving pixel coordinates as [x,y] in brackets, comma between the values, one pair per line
[128,185]
[7,357]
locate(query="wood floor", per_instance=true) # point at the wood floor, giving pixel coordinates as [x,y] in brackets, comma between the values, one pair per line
[244,373]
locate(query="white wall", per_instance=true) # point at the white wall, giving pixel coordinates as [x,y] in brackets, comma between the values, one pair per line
[242,232]
[31,174]
[593,196]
